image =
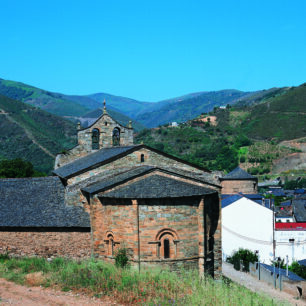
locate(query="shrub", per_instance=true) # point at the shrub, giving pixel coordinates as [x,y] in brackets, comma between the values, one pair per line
[298,269]
[244,255]
[121,258]
[4,256]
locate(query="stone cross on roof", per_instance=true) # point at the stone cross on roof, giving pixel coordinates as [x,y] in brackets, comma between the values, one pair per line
[104,108]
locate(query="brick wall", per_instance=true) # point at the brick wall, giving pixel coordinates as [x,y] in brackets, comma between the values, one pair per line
[142,226]
[46,244]
[236,186]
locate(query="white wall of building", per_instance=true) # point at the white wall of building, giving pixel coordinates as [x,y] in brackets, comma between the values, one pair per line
[295,250]
[248,225]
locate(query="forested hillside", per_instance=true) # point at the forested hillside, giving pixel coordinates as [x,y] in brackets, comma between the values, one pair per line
[32,134]
[246,135]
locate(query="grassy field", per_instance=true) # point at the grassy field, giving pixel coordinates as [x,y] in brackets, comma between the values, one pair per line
[128,286]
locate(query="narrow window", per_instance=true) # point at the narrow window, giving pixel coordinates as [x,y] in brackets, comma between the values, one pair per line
[116,137]
[95,139]
[112,247]
[142,158]
[166,248]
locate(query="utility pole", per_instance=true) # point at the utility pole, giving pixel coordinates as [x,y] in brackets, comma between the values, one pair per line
[287,269]
[273,223]
[279,274]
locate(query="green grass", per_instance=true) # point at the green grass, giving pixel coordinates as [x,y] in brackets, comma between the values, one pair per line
[150,287]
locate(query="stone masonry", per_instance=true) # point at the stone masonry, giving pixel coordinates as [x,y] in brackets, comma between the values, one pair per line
[45,243]
[143,225]
[235,186]
[105,126]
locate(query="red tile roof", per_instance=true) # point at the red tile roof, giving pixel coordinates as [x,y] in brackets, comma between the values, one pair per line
[293,226]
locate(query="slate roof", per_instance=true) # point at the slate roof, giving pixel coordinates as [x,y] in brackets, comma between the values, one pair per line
[238,174]
[292,276]
[157,186]
[302,262]
[285,203]
[299,191]
[38,202]
[278,192]
[106,155]
[299,208]
[110,182]
[92,161]
[230,200]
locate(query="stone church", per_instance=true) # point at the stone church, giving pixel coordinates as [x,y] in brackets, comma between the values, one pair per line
[106,194]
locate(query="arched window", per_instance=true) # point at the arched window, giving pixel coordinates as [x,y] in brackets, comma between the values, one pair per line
[116,137]
[95,139]
[111,244]
[166,248]
[166,244]
[142,158]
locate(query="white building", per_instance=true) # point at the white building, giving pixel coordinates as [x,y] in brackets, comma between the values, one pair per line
[249,225]
[290,240]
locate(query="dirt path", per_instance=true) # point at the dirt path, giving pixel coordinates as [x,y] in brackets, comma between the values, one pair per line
[13,294]
[255,285]
[30,135]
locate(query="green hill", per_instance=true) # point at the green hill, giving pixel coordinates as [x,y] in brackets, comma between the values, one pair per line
[177,109]
[189,106]
[54,103]
[247,135]
[281,118]
[33,134]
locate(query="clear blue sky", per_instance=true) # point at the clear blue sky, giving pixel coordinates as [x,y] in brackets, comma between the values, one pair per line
[153,50]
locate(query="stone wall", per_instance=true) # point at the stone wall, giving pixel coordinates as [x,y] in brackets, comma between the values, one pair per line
[142,226]
[105,125]
[133,160]
[236,186]
[46,244]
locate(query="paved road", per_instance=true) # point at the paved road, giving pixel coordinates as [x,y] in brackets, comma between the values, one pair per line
[255,285]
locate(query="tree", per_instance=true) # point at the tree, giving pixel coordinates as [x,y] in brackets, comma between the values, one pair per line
[17,168]
[244,255]
[227,159]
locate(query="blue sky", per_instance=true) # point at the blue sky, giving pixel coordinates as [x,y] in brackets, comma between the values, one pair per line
[153,50]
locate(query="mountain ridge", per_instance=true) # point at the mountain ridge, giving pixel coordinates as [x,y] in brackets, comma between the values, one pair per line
[150,114]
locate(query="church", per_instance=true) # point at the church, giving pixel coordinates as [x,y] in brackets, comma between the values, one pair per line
[107,193]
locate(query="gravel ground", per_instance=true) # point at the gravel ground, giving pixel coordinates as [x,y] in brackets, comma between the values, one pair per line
[13,294]
[255,285]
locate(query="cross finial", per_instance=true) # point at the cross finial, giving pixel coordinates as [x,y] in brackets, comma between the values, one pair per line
[104,108]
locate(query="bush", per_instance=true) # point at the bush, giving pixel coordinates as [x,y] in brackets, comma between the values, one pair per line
[298,269]
[4,256]
[244,255]
[121,258]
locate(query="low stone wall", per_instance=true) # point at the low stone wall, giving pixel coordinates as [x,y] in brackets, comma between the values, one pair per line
[45,243]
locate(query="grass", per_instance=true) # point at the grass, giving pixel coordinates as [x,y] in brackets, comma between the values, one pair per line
[150,287]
